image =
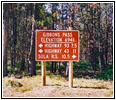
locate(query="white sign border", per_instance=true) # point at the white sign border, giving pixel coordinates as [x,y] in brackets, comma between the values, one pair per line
[57,60]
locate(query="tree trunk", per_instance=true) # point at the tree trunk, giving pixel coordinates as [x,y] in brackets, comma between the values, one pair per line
[51,69]
[100,56]
[106,44]
[13,36]
[55,63]
[67,69]
[5,29]
[59,69]
[23,40]
[31,59]
[22,62]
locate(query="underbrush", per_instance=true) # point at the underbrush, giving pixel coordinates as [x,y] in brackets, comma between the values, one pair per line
[81,69]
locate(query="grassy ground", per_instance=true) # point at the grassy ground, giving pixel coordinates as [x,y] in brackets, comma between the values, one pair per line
[57,86]
[87,83]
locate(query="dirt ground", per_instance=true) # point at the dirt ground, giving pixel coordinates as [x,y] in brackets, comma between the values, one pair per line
[57,87]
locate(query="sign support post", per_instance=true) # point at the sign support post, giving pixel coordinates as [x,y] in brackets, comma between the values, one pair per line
[43,68]
[57,45]
[71,74]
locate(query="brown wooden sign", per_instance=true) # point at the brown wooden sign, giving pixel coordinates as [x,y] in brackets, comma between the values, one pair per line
[57,45]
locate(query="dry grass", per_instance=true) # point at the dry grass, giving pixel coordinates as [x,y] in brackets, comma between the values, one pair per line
[57,86]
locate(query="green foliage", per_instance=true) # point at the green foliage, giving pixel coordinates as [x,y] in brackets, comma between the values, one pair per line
[48,65]
[12,70]
[110,65]
[26,89]
[17,65]
[13,83]
[111,91]
[23,73]
[53,14]
[32,20]
[16,70]
[38,66]
[106,74]
[82,66]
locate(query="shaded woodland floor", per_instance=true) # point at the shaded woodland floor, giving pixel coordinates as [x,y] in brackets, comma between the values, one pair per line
[57,86]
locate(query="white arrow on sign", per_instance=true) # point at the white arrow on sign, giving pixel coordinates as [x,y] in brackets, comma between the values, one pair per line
[73,56]
[40,45]
[40,50]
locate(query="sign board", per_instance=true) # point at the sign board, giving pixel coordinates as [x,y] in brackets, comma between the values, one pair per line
[57,45]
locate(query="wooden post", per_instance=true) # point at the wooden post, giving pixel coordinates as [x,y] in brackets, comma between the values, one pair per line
[71,74]
[43,69]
